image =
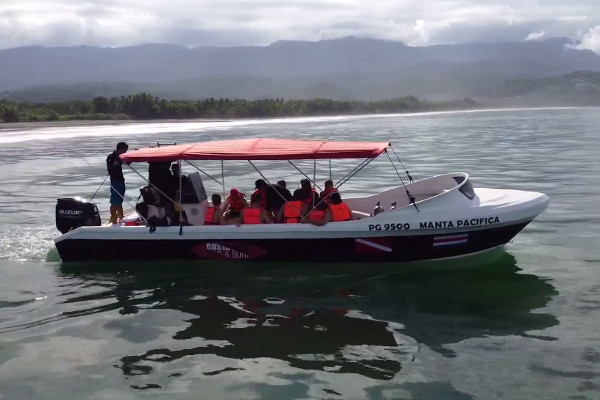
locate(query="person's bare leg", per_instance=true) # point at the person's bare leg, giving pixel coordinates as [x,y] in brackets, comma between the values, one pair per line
[113,214]
[119,213]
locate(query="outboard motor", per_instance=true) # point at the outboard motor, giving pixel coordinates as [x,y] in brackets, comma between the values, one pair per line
[71,213]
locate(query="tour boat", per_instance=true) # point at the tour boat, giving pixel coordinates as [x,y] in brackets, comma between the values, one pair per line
[438,217]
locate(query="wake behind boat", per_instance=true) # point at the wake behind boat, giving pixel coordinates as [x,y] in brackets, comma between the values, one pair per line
[434,218]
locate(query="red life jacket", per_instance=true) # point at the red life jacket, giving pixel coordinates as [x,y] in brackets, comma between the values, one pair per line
[263,198]
[252,215]
[341,212]
[209,218]
[291,216]
[235,202]
[316,215]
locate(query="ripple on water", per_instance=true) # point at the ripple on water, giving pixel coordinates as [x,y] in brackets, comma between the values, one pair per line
[20,242]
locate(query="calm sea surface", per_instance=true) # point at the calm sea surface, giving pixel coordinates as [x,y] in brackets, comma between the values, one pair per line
[521,323]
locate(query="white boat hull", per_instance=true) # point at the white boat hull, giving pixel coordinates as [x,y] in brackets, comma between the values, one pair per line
[442,223]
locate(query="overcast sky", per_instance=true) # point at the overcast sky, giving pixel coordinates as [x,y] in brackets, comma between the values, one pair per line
[261,22]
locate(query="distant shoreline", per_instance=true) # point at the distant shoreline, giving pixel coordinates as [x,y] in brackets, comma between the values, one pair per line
[144,106]
[94,122]
[10,126]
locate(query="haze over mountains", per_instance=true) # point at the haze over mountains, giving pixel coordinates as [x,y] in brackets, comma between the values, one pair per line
[345,69]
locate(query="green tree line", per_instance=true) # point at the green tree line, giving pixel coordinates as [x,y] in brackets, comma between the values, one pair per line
[145,106]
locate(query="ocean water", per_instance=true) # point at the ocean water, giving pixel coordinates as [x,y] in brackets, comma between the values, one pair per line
[522,322]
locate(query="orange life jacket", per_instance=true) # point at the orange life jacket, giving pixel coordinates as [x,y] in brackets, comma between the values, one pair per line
[291,216]
[252,215]
[235,202]
[316,215]
[341,212]
[209,218]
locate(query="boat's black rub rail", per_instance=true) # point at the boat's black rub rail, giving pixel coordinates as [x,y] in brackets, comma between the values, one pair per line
[372,249]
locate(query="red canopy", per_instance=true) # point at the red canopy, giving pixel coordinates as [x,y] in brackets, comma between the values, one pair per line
[258,149]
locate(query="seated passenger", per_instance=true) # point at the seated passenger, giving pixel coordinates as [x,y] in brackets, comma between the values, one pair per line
[305,193]
[320,215]
[255,214]
[326,194]
[292,211]
[234,204]
[339,210]
[272,196]
[214,214]
[261,190]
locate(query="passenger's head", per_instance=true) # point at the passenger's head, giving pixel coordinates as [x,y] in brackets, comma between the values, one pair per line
[255,200]
[234,192]
[305,184]
[216,200]
[281,183]
[260,184]
[297,196]
[335,198]
[122,147]
[328,184]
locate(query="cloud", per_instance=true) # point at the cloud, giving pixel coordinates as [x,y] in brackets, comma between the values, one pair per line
[260,22]
[535,35]
[591,40]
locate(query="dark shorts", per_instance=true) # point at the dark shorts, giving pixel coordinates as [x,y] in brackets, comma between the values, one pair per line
[234,214]
[117,191]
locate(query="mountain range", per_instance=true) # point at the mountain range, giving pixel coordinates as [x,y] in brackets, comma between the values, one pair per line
[344,69]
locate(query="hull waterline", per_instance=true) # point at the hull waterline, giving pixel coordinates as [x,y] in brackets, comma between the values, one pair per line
[356,249]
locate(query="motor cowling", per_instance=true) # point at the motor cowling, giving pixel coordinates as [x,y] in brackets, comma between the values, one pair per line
[71,213]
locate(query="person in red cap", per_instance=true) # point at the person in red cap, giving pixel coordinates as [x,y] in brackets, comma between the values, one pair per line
[236,201]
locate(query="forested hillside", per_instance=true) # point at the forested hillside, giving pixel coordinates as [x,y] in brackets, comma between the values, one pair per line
[146,106]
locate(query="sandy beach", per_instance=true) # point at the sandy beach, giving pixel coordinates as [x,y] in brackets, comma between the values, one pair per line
[59,124]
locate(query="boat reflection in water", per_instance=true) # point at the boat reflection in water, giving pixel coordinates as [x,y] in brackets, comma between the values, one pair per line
[317,319]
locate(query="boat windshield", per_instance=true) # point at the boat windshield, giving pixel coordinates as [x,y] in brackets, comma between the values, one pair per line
[466,188]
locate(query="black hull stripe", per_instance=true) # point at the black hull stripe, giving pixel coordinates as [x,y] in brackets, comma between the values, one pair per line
[380,249]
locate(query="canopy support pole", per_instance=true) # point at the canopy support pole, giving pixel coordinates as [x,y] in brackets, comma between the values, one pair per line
[99,187]
[179,200]
[153,185]
[193,165]
[299,212]
[314,179]
[410,179]
[345,179]
[314,172]
[306,176]
[353,172]
[411,198]
[222,178]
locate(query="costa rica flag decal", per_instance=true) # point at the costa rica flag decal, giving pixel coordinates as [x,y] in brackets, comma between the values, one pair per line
[375,245]
[450,240]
